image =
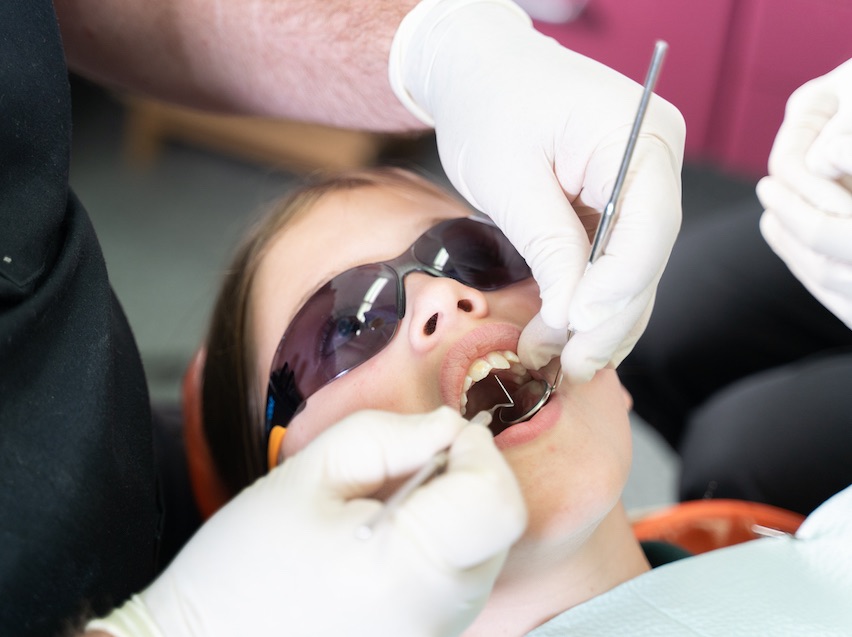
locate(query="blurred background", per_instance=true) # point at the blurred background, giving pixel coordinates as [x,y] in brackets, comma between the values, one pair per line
[170,191]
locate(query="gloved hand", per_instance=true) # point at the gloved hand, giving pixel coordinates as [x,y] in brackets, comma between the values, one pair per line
[808,193]
[283,556]
[533,135]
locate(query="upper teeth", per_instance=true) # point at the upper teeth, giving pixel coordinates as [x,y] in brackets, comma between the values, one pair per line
[481,367]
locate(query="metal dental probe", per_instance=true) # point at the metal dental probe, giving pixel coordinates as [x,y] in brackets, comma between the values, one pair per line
[604,228]
[436,464]
[605,225]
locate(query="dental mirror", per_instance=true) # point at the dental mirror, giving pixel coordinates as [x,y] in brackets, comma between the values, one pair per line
[529,399]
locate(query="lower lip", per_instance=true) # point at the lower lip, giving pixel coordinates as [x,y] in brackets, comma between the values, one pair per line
[525,432]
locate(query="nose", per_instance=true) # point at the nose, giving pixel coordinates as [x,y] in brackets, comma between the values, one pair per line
[436,305]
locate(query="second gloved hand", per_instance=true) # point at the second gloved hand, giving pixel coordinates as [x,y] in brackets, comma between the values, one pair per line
[808,193]
[815,245]
[533,135]
[283,556]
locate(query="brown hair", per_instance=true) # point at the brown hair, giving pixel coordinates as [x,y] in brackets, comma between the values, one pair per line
[232,409]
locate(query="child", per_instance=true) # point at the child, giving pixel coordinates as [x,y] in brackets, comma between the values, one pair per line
[345,348]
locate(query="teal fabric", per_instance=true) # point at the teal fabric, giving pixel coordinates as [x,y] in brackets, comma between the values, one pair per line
[661,553]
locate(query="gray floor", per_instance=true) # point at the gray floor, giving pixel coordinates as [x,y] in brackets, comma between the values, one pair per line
[166,233]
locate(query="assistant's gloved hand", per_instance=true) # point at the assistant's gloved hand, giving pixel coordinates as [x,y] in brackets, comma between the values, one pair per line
[808,193]
[533,135]
[283,556]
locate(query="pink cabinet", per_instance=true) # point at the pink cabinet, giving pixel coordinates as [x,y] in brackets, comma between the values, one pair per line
[731,64]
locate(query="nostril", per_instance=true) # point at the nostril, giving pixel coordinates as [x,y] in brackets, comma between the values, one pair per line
[431,325]
[465,306]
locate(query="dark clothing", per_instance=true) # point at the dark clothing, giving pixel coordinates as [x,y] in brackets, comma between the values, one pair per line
[662,553]
[181,517]
[79,513]
[744,372]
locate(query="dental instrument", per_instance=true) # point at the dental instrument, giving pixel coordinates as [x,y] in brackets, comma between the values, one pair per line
[535,393]
[538,392]
[436,465]
[605,225]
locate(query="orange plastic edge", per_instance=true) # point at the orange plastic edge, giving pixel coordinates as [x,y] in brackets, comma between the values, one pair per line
[208,490]
[704,525]
[276,437]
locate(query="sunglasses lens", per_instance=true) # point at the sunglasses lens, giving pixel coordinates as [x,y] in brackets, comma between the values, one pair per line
[346,322]
[473,252]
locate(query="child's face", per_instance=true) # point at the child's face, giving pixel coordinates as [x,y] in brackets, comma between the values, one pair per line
[572,458]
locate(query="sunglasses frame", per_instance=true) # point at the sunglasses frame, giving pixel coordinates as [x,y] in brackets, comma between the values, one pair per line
[283,395]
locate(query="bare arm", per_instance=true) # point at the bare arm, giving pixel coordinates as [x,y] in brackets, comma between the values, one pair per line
[322,61]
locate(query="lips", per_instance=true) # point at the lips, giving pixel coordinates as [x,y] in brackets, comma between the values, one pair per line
[530,429]
[478,344]
[473,345]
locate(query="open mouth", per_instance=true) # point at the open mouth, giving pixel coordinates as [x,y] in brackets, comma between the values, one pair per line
[482,392]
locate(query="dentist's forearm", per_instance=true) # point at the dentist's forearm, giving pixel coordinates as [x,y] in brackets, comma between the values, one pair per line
[318,61]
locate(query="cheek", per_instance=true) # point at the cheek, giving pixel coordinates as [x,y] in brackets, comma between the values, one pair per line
[628,398]
[522,299]
[574,478]
[373,385]
[568,495]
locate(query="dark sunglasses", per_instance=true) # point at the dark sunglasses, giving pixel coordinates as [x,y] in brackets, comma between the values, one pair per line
[356,314]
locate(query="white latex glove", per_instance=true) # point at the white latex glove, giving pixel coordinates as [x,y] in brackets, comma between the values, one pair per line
[808,218]
[533,134]
[283,557]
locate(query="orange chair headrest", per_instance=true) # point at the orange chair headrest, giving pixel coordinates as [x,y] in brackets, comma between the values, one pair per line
[207,488]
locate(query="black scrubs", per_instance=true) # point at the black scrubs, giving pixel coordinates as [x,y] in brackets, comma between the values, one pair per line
[79,513]
[744,372]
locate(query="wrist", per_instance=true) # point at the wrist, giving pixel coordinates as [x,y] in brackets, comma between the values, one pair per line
[132,619]
[434,25]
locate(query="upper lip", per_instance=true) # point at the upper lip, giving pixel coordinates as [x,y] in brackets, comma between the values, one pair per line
[475,344]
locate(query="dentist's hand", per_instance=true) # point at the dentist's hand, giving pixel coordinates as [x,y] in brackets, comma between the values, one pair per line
[533,134]
[808,193]
[283,556]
